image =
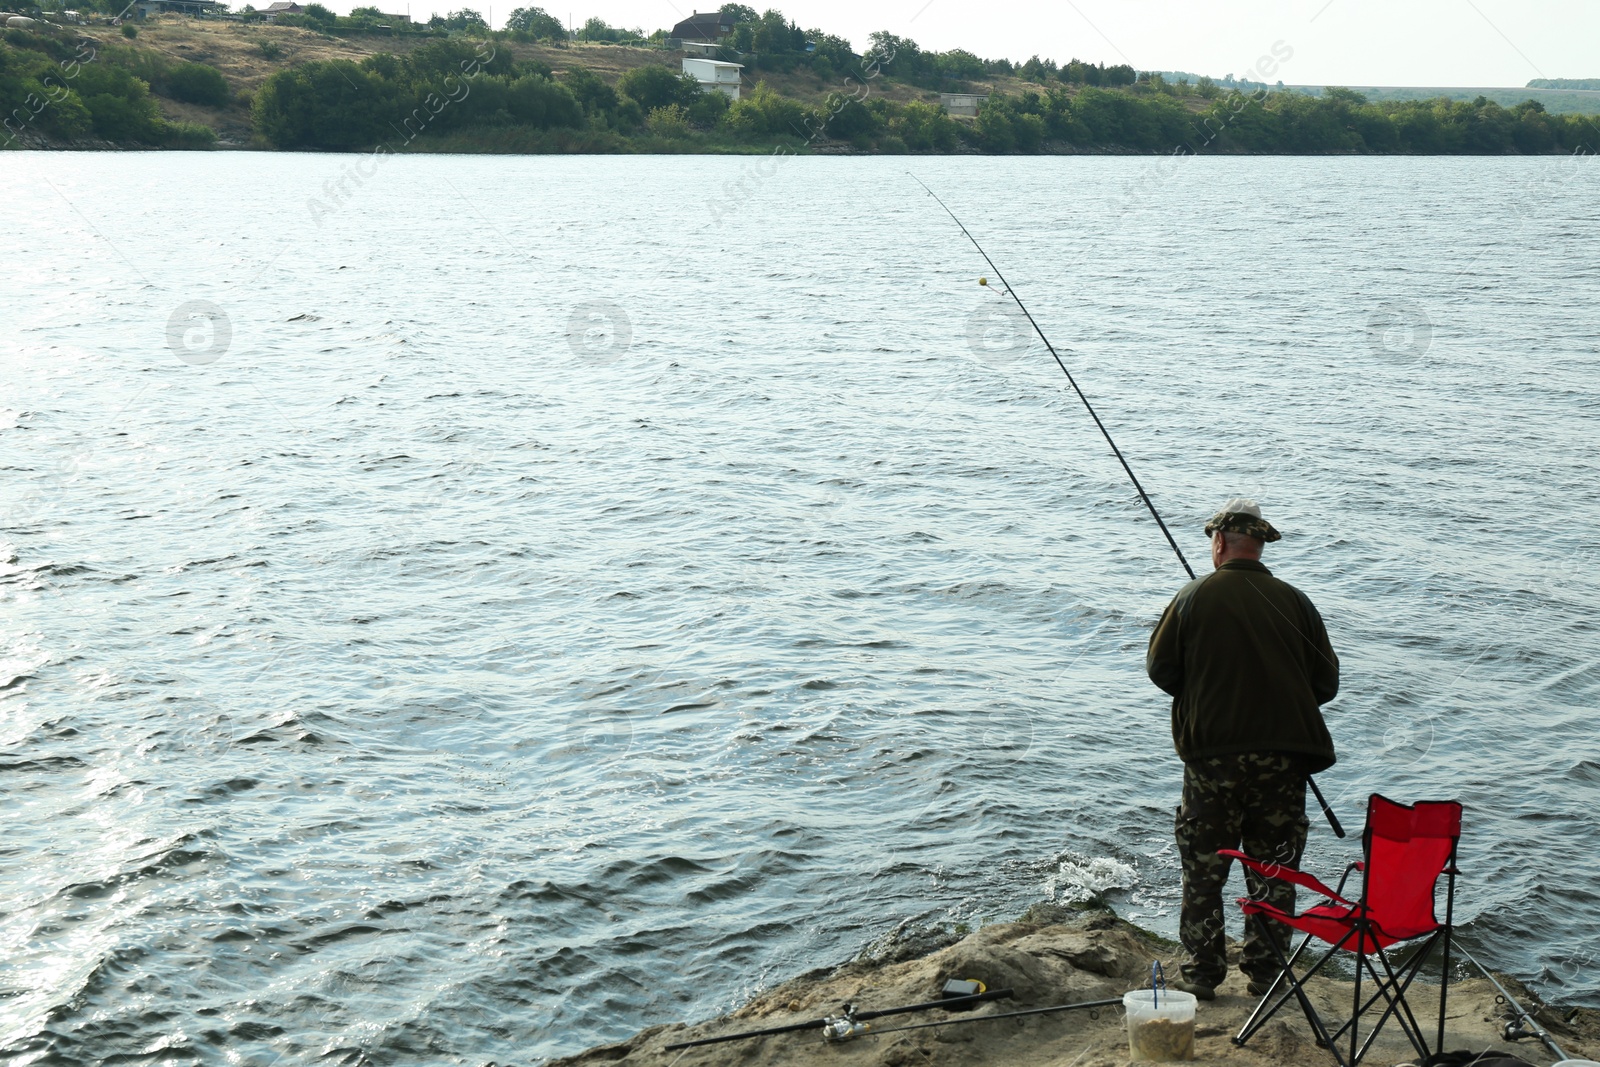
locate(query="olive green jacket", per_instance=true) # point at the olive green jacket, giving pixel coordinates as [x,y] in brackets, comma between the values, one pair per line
[1248,663]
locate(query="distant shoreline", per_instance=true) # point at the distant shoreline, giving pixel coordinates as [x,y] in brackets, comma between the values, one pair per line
[179,83]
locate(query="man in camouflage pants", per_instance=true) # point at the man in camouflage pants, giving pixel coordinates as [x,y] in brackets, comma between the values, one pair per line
[1247,662]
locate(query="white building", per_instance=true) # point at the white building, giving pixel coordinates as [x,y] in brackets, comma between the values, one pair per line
[963,105]
[715,74]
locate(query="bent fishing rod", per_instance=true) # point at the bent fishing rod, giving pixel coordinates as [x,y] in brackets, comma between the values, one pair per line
[1333,821]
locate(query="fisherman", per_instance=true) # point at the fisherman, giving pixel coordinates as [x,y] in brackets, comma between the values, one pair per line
[1247,661]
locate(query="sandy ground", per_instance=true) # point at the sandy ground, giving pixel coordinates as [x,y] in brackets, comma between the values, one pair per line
[1089,956]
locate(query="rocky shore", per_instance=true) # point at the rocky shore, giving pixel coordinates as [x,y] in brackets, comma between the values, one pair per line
[1057,956]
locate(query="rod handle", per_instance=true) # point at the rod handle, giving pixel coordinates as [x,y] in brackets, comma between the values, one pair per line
[1333,820]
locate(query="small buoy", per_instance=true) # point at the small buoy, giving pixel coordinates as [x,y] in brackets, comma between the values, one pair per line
[983,281]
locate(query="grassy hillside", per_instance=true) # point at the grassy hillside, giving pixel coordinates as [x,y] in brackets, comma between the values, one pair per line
[248,53]
[189,83]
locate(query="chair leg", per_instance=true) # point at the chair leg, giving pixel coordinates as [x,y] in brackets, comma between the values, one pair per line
[1390,987]
[1355,1018]
[1392,991]
[1444,978]
[1404,1017]
[1263,1013]
[1449,925]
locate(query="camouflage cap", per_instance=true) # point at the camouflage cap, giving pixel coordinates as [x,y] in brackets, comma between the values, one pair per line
[1242,516]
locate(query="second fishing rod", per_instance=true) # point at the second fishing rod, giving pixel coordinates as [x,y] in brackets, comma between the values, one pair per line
[1333,821]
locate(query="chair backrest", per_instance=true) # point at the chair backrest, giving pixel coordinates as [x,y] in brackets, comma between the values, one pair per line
[1408,846]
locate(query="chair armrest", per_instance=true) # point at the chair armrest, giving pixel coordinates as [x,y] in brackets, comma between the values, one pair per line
[1356,866]
[1286,874]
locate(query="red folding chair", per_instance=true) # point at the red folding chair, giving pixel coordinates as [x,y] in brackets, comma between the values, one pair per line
[1406,849]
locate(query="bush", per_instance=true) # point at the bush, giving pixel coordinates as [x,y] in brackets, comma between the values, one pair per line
[848,119]
[766,112]
[708,109]
[598,98]
[269,49]
[325,104]
[25,100]
[669,121]
[924,127]
[188,135]
[534,100]
[119,104]
[129,30]
[197,83]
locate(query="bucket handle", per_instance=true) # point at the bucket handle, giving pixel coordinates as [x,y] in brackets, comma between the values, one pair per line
[1158,980]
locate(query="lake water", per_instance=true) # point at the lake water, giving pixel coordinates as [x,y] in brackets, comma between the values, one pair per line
[462,610]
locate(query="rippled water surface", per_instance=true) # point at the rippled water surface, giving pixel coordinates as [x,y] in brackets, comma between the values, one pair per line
[470,611]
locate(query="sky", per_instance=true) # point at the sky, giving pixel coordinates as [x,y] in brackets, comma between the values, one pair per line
[1328,42]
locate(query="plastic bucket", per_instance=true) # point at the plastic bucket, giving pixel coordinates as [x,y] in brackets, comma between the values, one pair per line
[1160,1029]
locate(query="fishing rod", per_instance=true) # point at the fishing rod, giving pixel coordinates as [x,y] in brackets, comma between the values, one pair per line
[1514,1030]
[1092,1005]
[1070,379]
[1333,822]
[849,1022]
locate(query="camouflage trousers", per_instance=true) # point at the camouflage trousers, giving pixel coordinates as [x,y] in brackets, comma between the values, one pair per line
[1252,801]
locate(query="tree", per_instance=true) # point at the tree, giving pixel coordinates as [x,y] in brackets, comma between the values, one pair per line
[1344,96]
[1037,70]
[595,97]
[197,83]
[319,15]
[737,13]
[958,64]
[775,34]
[1121,74]
[321,104]
[537,22]
[465,19]
[535,100]
[597,29]
[1077,72]
[894,55]
[836,50]
[656,86]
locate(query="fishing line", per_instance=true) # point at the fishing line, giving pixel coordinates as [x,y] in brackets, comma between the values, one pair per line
[1333,821]
[1070,379]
